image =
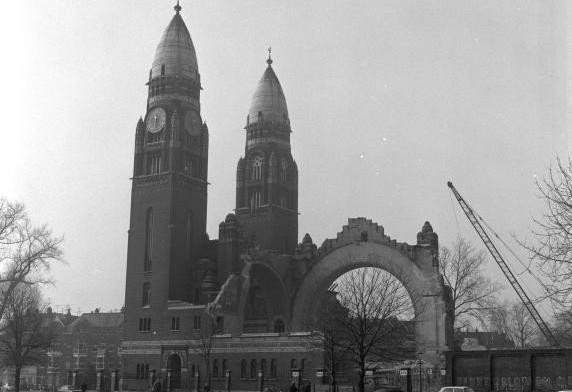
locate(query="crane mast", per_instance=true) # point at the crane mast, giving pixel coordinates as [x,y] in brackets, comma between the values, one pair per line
[504,267]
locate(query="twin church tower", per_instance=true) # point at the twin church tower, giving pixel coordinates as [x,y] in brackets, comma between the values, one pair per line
[170,257]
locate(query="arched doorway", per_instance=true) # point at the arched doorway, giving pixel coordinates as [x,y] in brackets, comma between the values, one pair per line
[174,369]
[265,302]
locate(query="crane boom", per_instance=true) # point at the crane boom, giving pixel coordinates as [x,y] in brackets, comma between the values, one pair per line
[504,267]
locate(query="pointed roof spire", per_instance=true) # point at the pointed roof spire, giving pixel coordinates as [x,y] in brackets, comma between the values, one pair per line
[269,61]
[268,102]
[175,55]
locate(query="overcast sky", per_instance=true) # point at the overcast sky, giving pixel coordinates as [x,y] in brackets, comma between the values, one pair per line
[387,100]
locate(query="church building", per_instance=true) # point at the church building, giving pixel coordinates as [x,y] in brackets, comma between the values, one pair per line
[175,272]
[232,312]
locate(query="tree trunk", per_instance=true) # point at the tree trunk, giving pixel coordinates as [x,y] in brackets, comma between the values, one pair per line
[18,370]
[361,385]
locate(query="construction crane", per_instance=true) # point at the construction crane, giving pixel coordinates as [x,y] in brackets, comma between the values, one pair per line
[504,267]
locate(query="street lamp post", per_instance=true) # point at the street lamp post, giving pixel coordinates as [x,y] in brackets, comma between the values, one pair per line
[420,363]
[227,375]
[260,380]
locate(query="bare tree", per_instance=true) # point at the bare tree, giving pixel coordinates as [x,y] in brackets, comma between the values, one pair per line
[562,327]
[26,251]
[329,336]
[514,320]
[203,345]
[473,294]
[26,331]
[552,245]
[374,326]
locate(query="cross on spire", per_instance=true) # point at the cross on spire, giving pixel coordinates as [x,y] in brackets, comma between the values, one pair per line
[177,7]
[269,61]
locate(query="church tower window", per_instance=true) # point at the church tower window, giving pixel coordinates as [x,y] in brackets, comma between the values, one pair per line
[148,240]
[189,233]
[154,164]
[257,163]
[146,300]
[283,170]
[255,200]
[188,167]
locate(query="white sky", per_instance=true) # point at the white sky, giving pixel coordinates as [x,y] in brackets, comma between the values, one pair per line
[387,100]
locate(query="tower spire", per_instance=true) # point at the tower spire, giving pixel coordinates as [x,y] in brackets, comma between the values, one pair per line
[269,61]
[177,7]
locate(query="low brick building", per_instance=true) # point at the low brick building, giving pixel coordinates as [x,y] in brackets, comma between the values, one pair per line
[86,351]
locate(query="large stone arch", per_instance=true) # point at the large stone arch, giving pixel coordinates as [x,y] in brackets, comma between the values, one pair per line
[414,266]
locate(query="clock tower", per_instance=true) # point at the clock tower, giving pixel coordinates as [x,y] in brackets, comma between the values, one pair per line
[267,175]
[167,226]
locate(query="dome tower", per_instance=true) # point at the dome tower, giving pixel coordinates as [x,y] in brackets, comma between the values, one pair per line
[267,176]
[169,188]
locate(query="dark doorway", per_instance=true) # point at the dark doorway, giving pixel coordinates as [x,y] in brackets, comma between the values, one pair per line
[174,366]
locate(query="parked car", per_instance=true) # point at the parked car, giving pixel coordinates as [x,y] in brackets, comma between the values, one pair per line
[456,389]
[68,388]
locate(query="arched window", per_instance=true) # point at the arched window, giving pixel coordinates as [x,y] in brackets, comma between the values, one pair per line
[302,363]
[148,240]
[189,233]
[263,366]
[253,368]
[215,368]
[273,368]
[146,300]
[279,326]
[188,166]
[243,369]
[283,170]
[256,173]
[193,370]
[224,367]
[293,364]
[255,200]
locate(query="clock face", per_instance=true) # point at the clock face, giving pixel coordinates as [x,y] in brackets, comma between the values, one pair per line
[156,119]
[193,123]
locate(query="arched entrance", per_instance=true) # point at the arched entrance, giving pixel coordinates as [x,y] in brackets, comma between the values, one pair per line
[413,266]
[266,301]
[174,370]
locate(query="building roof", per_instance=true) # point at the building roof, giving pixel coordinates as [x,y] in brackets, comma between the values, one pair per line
[98,320]
[268,99]
[176,51]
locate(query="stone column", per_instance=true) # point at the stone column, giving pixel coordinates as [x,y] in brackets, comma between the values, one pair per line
[168,389]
